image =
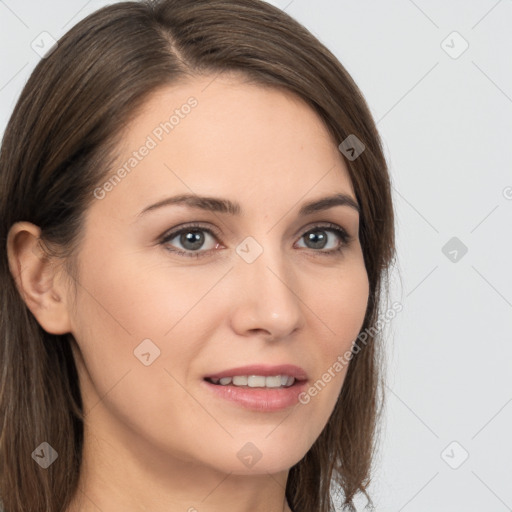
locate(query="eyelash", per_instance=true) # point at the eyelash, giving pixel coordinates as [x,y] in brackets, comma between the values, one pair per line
[343,235]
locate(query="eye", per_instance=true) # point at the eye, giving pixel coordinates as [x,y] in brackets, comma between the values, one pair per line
[318,238]
[192,238]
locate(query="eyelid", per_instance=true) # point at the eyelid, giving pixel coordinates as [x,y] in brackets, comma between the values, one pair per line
[177,230]
[343,232]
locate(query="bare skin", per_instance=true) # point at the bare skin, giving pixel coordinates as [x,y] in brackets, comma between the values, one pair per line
[156,437]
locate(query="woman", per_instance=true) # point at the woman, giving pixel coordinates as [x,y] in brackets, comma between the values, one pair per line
[198,223]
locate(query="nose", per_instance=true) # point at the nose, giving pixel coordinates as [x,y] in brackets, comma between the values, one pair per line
[268,298]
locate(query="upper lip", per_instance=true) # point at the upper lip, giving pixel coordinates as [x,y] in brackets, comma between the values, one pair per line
[264,370]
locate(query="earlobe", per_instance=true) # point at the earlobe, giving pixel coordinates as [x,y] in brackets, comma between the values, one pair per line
[38,278]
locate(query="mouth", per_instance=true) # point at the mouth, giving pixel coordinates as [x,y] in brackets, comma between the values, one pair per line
[255,381]
[259,387]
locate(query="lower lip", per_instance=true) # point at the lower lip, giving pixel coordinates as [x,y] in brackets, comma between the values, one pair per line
[259,399]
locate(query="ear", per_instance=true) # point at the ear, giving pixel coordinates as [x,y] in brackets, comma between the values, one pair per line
[39,278]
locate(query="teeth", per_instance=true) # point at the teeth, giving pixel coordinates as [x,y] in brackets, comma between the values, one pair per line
[256,381]
[273,382]
[240,380]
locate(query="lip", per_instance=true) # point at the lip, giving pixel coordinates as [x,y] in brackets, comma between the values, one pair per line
[291,370]
[260,399]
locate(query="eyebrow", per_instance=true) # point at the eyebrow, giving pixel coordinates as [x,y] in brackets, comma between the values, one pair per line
[215,204]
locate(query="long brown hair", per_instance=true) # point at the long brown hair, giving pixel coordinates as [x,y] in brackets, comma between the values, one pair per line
[59,145]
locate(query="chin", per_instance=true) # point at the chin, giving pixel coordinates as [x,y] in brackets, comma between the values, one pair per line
[261,456]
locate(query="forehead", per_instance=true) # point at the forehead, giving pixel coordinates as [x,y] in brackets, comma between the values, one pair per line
[224,136]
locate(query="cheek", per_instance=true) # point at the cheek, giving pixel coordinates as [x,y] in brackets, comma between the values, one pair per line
[124,302]
[119,310]
[118,307]
[342,306]
[340,310]
[131,299]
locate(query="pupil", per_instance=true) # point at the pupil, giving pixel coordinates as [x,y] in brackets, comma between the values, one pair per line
[317,240]
[196,238]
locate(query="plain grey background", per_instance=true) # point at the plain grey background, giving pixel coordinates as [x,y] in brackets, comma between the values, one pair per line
[438,79]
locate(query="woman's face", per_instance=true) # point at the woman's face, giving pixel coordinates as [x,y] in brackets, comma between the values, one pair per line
[158,312]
